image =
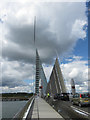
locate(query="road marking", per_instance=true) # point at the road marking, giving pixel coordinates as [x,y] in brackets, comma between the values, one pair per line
[80,111]
[54,100]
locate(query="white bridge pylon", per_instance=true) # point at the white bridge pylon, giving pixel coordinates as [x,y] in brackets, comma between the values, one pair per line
[41,82]
[56,82]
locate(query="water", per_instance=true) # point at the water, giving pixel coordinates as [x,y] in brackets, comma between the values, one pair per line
[10,108]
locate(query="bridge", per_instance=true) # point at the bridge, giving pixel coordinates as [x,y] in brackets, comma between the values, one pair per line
[40,106]
[40,109]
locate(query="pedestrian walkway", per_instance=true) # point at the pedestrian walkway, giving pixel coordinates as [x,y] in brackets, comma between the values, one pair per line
[42,109]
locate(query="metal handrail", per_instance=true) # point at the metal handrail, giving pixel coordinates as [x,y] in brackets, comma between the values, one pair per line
[28,113]
[22,111]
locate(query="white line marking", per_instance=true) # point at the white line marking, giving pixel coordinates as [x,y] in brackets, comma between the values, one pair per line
[80,110]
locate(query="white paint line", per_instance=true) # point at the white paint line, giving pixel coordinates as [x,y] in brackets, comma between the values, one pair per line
[54,100]
[80,110]
[26,113]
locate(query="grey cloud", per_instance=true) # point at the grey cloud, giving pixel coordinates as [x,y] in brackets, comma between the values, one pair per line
[14,52]
[12,82]
[53,32]
[22,35]
[54,28]
[14,73]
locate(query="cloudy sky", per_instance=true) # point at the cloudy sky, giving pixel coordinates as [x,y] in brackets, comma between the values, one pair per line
[61,29]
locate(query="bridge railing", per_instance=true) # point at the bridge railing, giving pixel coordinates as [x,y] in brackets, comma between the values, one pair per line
[24,111]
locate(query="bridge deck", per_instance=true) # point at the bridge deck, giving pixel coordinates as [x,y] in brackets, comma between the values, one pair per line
[43,110]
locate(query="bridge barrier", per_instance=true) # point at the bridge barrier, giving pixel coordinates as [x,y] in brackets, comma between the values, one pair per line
[22,113]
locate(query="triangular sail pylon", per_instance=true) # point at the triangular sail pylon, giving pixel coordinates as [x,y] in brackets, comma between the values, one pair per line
[40,77]
[56,82]
[37,73]
[73,90]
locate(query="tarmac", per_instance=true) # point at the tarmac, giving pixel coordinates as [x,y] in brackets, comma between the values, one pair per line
[42,109]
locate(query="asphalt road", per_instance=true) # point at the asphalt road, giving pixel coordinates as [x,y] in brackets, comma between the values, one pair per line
[69,111]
